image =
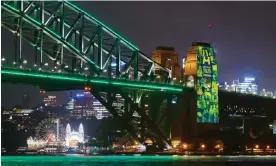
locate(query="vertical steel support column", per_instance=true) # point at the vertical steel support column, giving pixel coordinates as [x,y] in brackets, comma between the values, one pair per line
[20,32]
[41,37]
[81,44]
[15,48]
[142,106]
[126,107]
[109,99]
[36,35]
[61,32]
[109,67]
[100,45]
[92,56]
[118,58]
[135,67]
[74,60]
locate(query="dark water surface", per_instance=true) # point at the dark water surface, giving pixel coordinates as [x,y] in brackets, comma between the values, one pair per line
[138,160]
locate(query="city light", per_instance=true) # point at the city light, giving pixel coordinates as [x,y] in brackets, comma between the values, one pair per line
[87,88]
[267,147]
[203,146]
[46,64]
[25,62]
[256,146]
[185,146]
[86,68]
[3,59]
[66,66]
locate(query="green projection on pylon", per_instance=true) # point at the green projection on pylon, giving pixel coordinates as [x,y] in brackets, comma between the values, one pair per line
[207,86]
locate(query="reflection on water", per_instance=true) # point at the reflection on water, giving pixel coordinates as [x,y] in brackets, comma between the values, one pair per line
[136,160]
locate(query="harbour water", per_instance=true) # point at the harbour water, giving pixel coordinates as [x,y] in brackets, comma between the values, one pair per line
[137,160]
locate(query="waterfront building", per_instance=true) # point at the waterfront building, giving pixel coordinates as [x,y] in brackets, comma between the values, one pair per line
[72,137]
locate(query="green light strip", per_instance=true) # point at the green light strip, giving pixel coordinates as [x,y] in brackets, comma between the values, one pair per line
[148,86]
[102,24]
[21,73]
[94,80]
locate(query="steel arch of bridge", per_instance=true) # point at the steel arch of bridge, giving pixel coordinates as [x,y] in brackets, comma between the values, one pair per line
[75,40]
[81,50]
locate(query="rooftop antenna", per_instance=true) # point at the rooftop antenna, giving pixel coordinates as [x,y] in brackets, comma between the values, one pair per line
[210,32]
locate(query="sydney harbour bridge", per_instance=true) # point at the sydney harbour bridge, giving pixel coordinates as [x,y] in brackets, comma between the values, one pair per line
[72,50]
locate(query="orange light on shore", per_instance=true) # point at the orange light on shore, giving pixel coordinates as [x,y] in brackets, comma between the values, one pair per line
[256,146]
[202,146]
[185,146]
[267,147]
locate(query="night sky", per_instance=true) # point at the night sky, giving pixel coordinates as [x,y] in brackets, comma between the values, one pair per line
[244,34]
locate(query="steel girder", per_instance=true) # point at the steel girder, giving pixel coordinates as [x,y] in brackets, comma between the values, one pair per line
[134,118]
[75,40]
[246,105]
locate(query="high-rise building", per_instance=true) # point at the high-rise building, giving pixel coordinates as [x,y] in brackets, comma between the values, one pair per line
[248,85]
[81,105]
[100,111]
[50,101]
[85,105]
[167,57]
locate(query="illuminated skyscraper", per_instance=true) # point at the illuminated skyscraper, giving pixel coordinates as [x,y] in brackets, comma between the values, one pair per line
[85,105]
[248,85]
[50,101]
[100,111]
[81,105]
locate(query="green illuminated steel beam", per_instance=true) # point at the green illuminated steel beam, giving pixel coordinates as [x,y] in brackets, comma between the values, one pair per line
[47,31]
[102,24]
[115,82]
